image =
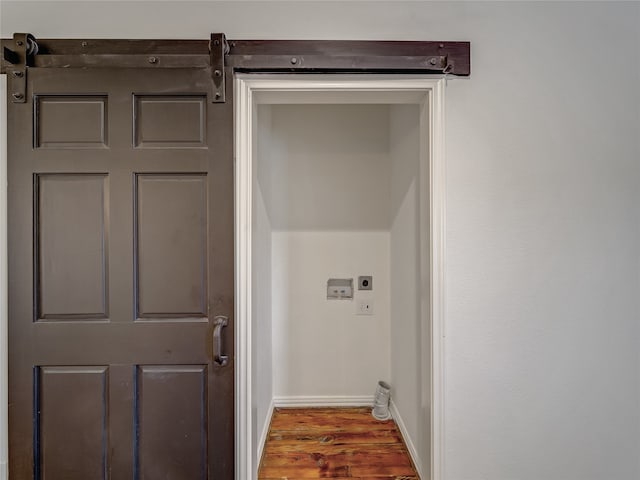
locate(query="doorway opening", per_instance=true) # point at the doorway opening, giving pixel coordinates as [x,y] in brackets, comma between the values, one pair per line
[339,177]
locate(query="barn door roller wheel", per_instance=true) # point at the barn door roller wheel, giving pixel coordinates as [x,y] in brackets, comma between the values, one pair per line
[20,57]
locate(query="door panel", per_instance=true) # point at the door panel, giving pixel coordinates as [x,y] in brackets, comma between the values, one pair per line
[153,131]
[71,246]
[172,421]
[171,246]
[121,255]
[71,121]
[72,399]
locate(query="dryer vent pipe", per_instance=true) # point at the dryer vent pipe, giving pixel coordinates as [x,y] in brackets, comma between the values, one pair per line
[381,401]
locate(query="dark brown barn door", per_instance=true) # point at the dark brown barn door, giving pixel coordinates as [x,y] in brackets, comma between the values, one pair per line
[121,258]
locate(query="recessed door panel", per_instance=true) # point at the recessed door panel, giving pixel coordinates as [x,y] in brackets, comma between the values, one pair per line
[70,121]
[171,253]
[71,233]
[172,422]
[71,422]
[170,121]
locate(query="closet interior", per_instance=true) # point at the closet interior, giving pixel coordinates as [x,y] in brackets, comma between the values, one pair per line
[340,192]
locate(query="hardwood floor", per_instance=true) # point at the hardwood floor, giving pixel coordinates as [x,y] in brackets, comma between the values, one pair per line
[338,443]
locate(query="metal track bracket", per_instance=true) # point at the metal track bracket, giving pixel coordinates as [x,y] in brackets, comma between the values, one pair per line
[20,58]
[218,48]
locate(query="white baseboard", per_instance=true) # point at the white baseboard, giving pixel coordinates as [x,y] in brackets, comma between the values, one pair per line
[265,431]
[407,439]
[324,401]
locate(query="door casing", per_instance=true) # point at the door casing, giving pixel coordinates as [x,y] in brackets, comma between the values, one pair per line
[427,91]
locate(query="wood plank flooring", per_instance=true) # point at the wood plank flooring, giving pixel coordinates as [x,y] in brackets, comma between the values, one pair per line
[338,443]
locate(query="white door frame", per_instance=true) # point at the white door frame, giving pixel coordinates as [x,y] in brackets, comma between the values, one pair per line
[253,89]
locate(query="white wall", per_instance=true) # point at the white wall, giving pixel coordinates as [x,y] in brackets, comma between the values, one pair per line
[543,242]
[543,233]
[329,167]
[321,347]
[408,377]
[262,353]
[326,184]
[262,379]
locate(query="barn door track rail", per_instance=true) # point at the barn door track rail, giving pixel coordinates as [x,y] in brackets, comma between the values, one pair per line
[223,56]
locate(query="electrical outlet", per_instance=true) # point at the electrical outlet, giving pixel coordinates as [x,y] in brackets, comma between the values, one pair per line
[365,307]
[365,282]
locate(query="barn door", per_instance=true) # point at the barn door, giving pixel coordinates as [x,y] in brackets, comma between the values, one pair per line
[121,276]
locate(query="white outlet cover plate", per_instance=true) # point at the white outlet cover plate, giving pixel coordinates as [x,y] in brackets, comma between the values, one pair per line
[364,307]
